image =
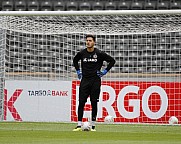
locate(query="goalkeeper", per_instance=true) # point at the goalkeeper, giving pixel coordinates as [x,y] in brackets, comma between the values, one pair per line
[90,75]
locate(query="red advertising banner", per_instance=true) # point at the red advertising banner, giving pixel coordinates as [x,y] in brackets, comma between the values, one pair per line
[136,102]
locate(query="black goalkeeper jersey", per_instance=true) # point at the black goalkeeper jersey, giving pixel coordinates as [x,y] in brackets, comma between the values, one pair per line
[91,62]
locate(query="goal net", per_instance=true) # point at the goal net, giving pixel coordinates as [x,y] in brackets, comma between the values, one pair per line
[37,49]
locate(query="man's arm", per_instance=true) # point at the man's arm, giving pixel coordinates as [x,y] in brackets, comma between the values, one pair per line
[76,65]
[110,60]
[76,60]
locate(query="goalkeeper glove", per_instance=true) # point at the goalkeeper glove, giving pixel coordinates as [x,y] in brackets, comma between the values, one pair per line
[101,73]
[79,74]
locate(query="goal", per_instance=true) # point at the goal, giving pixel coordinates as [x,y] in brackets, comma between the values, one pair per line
[37,49]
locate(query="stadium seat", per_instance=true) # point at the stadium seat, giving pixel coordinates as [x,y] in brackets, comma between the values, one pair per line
[128,62]
[153,70]
[147,40]
[177,70]
[115,69]
[179,63]
[46,5]
[170,63]
[45,61]
[172,56]
[123,5]
[14,46]
[136,5]
[18,61]
[127,70]
[31,68]
[140,70]
[120,54]
[175,48]
[149,5]
[163,40]
[67,54]
[84,6]
[124,41]
[20,5]
[32,61]
[161,47]
[72,5]
[141,62]
[28,54]
[45,69]
[59,5]
[133,54]
[27,39]
[175,4]
[174,40]
[55,54]
[110,5]
[13,38]
[33,5]
[136,41]
[146,55]
[18,68]
[41,39]
[27,46]
[162,5]
[97,5]
[167,70]
[7,5]
[156,63]
[148,48]
[59,68]
[160,55]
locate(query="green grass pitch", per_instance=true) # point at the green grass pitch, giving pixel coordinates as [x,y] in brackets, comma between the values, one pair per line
[61,133]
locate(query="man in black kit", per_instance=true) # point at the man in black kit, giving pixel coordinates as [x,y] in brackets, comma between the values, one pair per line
[90,76]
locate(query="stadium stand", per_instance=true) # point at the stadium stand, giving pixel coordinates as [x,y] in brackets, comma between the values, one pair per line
[33,5]
[136,5]
[162,5]
[134,54]
[123,5]
[156,53]
[72,5]
[20,5]
[62,5]
[97,5]
[110,5]
[84,5]
[175,4]
[149,5]
[59,6]
[46,5]
[7,5]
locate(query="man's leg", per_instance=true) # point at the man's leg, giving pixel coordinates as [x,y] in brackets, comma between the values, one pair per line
[95,91]
[94,113]
[80,115]
[80,112]
[83,95]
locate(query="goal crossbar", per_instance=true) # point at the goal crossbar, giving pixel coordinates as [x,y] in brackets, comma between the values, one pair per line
[101,12]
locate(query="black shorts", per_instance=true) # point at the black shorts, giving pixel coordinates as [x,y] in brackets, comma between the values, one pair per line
[89,87]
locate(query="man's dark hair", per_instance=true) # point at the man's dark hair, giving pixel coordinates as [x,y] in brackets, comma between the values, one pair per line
[92,36]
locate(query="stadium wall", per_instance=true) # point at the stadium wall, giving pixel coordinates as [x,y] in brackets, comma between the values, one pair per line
[57,101]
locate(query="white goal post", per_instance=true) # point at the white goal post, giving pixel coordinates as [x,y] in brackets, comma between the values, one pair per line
[144,86]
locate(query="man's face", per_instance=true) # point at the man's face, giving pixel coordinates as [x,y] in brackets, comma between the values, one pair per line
[90,42]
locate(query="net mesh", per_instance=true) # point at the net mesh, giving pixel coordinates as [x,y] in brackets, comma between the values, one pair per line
[99,24]
[146,48]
